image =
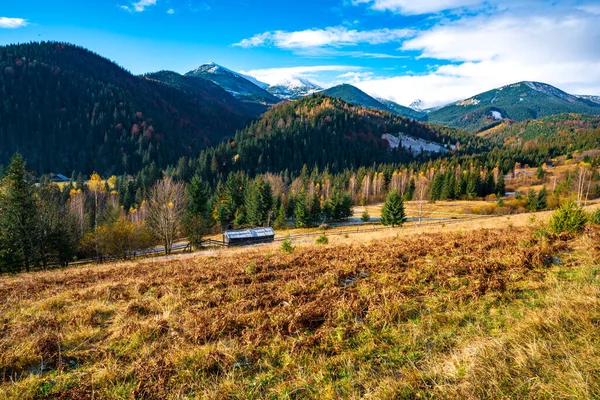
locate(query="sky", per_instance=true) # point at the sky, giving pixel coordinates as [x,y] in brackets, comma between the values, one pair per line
[438,51]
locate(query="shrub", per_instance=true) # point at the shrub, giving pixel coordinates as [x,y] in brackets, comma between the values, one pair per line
[595,217]
[286,246]
[365,217]
[251,269]
[322,239]
[568,218]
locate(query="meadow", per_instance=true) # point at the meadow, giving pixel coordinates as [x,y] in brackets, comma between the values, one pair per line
[508,312]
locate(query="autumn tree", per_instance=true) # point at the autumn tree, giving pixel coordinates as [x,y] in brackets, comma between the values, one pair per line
[166,208]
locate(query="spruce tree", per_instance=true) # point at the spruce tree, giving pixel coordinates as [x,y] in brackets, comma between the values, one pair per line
[542,200]
[280,221]
[500,186]
[18,218]
[531,200]
[393,210]
[315,209]
[198,218]
[301,214]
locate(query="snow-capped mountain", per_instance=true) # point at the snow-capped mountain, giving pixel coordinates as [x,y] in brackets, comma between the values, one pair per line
[417,105]
[593,99]
[293,87]
[518,101]
[243,87]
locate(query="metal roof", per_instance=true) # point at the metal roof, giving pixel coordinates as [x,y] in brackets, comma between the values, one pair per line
[250,233]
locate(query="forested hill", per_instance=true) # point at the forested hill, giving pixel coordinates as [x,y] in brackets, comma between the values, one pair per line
[67,109]
[517,102]
[205,90]
[324,132]
[575,131]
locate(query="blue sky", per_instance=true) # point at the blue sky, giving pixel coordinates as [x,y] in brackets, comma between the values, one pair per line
[435,50]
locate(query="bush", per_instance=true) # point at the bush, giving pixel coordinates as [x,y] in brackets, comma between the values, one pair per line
[365,217]
[568,218]
[595,217]
[286,246]
[322,239]
[251,269]
[120,239]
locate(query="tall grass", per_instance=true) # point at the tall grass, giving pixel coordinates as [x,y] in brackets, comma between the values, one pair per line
[483,314]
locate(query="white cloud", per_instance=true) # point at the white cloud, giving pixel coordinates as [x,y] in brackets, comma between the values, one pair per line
[487,52]
[273,76]
[12,23]
[170,11]
[413,7]
[139,6]
[332,36]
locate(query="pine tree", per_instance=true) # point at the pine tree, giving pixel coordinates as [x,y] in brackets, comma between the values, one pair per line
[280,221]
[259,202]
[541,202]
[301,214]
[393,210]
[197,218]
[410,192]
[500,186]
[531,200]
[18,218]
[315,210]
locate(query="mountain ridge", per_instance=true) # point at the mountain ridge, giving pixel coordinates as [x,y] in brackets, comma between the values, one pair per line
[241,86]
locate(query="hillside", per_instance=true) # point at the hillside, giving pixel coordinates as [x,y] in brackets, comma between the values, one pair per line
[557,130]
[518,102]
[243,87]
[355,96]
[206,90]
[404,111]
[67,109]
[446,316]
[324,132]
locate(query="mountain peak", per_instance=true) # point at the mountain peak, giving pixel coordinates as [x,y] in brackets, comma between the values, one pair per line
[293,87]
[241,86]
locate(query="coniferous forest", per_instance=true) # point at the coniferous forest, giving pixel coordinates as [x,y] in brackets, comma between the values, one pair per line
[131,143]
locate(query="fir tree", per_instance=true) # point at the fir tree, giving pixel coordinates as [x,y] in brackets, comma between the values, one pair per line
[301,214]
[500,186]
[393,210]
[197,219]
[280,221]
[18,218]
[541,202]
[315,209]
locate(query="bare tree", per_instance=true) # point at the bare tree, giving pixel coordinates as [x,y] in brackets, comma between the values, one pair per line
[166,207]
[421,190]
[584,173]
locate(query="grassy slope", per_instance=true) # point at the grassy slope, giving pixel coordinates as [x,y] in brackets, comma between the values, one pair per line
[448,315]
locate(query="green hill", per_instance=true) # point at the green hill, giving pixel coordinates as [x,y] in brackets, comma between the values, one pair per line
[518,102]
[325,132]
[67,109]
[560,130]
[207,91]
[355,96]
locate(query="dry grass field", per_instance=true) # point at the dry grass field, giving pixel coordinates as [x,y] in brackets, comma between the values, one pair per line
[485,313]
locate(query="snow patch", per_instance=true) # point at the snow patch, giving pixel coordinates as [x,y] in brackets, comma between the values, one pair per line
[415,144]
[497,115]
